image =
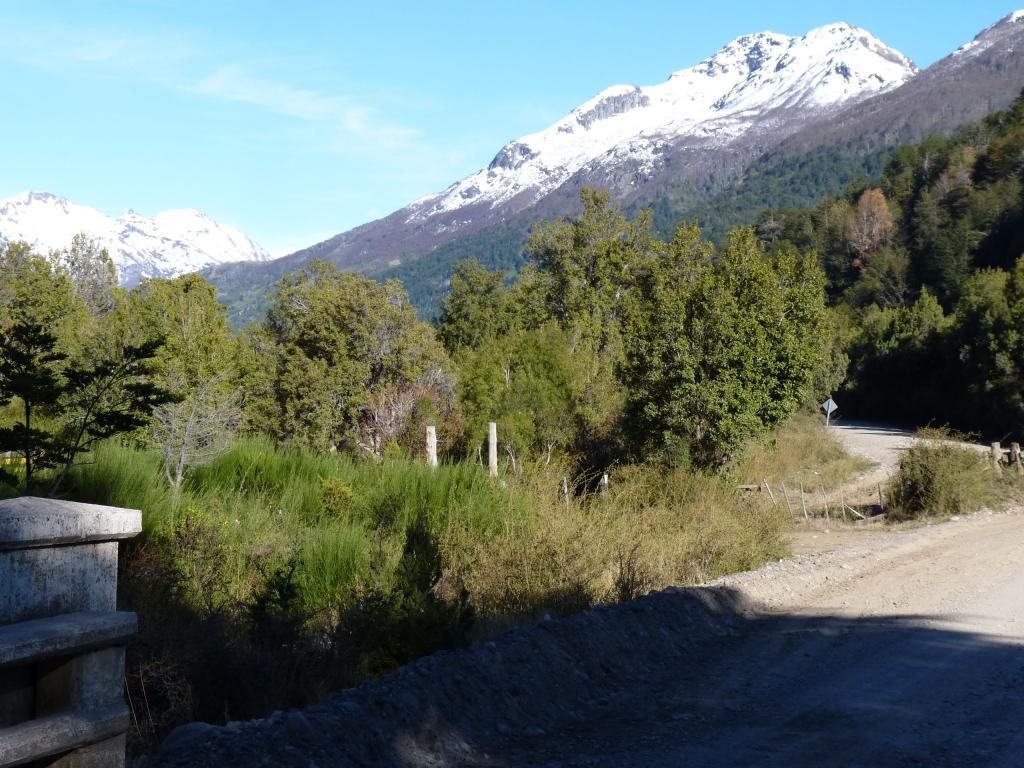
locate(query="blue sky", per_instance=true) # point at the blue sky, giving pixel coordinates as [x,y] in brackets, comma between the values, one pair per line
[296,121]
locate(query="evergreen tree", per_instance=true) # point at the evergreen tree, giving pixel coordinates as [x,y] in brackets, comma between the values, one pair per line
[30,370]
[349,361]
[475,307]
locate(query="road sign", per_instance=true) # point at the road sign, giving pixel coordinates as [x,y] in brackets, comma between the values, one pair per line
[829,407]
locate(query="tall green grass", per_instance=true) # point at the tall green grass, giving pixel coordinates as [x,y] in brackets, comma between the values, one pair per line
[341,518]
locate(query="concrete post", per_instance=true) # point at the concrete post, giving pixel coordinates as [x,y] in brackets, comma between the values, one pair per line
[431,446]
[492,449]
[61,638]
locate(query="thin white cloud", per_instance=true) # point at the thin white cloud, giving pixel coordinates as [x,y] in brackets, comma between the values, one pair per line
[171,60]
[234,82]
[56,48]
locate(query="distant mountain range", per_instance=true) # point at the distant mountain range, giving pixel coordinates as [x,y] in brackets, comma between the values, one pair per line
[170,243]
[768,121]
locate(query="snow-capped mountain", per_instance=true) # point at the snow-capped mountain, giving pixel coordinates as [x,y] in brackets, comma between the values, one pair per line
[755,82]
[1000,33]
[705,121]
[171,243]
[766,107]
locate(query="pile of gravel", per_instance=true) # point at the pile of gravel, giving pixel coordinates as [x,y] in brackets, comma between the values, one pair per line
[462,706]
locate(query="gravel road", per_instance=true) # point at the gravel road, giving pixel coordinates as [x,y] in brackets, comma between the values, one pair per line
[899,647]
[874,442]
[879,444]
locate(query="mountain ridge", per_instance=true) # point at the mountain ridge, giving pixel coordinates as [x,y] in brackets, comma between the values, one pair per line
[775,98]
[726,95]
[718,99]
[170,243]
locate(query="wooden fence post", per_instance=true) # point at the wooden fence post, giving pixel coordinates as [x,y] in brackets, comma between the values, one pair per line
[848,507]
[1015,458]
[803,504]
[602,484]
[785,493]
[492,449]
[997,457]
[770,494]
[432,446]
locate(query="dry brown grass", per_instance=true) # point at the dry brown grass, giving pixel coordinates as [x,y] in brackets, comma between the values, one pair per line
[654,528]
[799,451]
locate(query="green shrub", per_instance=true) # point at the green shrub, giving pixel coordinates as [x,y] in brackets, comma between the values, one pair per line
[339,498]
[939,477]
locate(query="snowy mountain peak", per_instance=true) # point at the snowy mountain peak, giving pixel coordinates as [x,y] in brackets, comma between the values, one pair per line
[756,82]
[743,55]
[171,243]
[999,33]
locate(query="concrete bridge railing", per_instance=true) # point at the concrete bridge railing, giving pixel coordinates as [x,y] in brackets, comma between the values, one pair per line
[62,638]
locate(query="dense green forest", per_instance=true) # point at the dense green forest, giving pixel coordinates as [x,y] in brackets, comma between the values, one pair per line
[790,181]
[502,246]
[925,274]
[920,246]
[787,180]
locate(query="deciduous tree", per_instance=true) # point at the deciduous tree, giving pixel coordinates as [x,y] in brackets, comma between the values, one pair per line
[870,226]
[721,347]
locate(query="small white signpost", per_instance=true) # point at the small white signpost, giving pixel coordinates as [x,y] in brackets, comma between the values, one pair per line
[829,407]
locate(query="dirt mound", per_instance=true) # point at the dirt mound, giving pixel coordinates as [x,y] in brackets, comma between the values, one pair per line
[458,706]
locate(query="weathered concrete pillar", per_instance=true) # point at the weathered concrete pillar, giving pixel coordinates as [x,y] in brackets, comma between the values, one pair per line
[61,637]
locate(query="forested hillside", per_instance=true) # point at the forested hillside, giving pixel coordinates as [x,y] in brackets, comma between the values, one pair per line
[926,274]
[810,146]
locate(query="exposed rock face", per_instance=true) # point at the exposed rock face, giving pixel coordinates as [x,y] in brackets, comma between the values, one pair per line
[610,106]
[509,158]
